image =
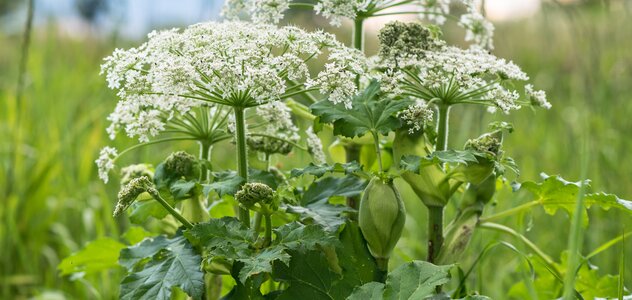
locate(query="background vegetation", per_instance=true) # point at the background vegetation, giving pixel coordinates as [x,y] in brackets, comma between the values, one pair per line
[52,203]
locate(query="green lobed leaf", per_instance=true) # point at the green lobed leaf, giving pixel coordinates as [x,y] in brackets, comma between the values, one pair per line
[261,262]
[298,237]
[148,247]
[415,163]
[329,216]
[225,237]
[183,189]
[369,113]
[554,193]
[320,275]
[224,183]
[322,169]
[172,263]
[322,190]
[144,209]
[413,280]
[98,255]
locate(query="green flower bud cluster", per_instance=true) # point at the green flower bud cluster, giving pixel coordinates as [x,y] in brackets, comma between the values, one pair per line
[128,194]
[268,145]
[381,217]
[399,39]
[254,193]
[181,164]
[135,171]
[489,143]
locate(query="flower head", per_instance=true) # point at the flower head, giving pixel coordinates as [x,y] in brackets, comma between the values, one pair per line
[230,63]
[416,116]
[135,171]
[128,194]
[477,28]
[278,129]
[315,147]
[537,98]
[253,192]
[105,162]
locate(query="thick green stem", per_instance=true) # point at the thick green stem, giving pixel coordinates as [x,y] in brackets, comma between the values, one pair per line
[256,222]
[352,153]
[435,213]
[268,235]
[242,157]
[376,141]
[382,269]
[443,123]
[154,193]
[435,232]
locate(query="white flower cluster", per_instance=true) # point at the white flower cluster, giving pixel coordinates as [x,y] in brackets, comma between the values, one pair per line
[261,11]
[336,10]
[456,75]
[105,162]
[232,63]
[315,147]
[537,98]
[278,120]
[435,10]
[416,116]
[477,28]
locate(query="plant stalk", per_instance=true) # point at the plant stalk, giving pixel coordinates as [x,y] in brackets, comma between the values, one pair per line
[382,269]
[195,208]
[242,157]
[268,235]
[376,140]
[154,193]
[435,232]
[435,213]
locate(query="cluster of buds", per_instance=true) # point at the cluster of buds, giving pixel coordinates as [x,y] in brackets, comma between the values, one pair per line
[258,197]
[128,194]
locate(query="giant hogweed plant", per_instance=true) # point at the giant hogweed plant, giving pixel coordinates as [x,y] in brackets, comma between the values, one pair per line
[327,230]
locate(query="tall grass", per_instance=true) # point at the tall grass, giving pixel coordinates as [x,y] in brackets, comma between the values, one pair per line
[51,202]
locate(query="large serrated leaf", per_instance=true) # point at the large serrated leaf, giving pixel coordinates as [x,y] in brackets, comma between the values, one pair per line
[554,193]
[322,190]
[327,215]
[225,237]
[369,113]
[410,281]
[175,265]
[98,255]
[298,237]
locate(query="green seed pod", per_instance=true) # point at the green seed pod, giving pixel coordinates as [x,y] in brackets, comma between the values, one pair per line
[381,217]
[488,144]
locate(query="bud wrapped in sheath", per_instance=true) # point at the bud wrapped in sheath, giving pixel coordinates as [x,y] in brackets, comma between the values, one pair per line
[381,217]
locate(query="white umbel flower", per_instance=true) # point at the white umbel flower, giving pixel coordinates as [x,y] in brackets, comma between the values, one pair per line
[231,63]
[537,98]
[477,28]
[105,162]
[435,10]
[315,147]
[416,116]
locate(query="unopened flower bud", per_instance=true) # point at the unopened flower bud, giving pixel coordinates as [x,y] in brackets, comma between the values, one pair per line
[399,39]
[381,217]
[253,192]
[182,164]
[128,194]
[135,171]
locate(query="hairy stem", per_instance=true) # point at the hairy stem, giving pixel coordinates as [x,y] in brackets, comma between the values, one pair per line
[154,193]
[242,157]
[443,123]
[352,153]
[195,208]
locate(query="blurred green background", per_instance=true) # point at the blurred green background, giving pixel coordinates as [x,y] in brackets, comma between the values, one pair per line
[52,203]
